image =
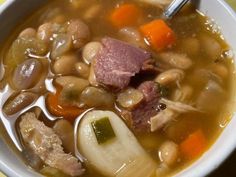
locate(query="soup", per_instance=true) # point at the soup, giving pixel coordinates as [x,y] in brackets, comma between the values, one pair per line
[111,88]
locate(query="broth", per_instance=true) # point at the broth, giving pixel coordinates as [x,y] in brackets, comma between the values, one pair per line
[206,86]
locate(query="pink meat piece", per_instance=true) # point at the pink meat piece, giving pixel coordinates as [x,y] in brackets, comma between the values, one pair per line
[149,90]
[47,145]
[117,62]
[149,108]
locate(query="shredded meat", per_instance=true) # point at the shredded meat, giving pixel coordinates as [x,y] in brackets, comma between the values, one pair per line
[150,66]
[179,107]
[162,118]
[173,110]
[47,145]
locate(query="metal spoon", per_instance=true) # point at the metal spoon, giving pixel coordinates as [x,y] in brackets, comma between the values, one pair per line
[76,127]
[173,8]
[9,121]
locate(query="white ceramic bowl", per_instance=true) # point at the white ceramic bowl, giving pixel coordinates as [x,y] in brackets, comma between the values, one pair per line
[14,11]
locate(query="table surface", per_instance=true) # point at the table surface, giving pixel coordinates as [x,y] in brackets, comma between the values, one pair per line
[228,169]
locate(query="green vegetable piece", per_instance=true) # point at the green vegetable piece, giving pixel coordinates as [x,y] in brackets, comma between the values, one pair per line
[163,90]
[103,130]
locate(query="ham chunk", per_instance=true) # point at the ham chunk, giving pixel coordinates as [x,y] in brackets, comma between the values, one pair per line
[149,108]
[149,90]
[47,145]
[117,62]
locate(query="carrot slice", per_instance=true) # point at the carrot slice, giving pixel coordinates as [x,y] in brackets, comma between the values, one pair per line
[55,108]
[158,34]
[194,145]
[125,15]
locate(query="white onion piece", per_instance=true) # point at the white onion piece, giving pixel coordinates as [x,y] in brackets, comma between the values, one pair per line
[121,156]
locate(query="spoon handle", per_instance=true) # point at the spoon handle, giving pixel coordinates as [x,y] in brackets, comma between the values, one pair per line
[174,7]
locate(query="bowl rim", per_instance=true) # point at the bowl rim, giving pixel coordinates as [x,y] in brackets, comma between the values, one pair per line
[210,165]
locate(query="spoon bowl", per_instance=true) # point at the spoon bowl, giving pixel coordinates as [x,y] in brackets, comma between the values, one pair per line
[76,127]
[9,121]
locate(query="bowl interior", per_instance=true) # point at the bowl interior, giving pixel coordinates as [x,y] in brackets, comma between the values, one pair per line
[225,18]
[223,15]
[10,163]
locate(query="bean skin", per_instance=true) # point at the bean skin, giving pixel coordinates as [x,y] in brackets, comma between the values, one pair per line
[19,102]
[27,74]
[28,33]
[79,32]
[90,50]
[66,60]
[169,153]
[170,76]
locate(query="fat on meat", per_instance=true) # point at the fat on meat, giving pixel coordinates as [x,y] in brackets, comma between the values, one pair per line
[47,145]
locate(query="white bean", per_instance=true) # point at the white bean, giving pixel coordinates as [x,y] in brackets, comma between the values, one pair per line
[191,46]
[65,64]
[59,19]
[69,95]
[176,60]
[82,69]
[94,97]
[64,130]
[182,94]
[150,141]
[210,46]
[72,88]
[202,76]
[72,82]
[49,14]
[90,50]
[211,98]
[79,32]
[45,32]
[170,76]
[130,98]
[92,12]
[27,74]
[28,33]
[21,48]
[61,45]
[220,70]
[168,153]
[19,102]
[130,34]
[92,77]
[79,3]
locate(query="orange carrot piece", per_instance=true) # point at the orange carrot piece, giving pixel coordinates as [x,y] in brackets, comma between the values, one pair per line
[158,34]
[54,107]
[193,145]
[125,15]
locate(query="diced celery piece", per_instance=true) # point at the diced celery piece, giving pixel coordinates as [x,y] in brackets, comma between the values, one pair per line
[103,130]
